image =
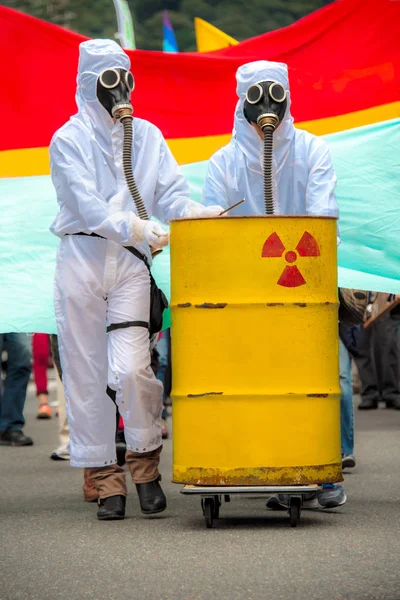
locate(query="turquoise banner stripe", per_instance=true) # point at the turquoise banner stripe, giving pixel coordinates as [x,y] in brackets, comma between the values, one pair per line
[366,161]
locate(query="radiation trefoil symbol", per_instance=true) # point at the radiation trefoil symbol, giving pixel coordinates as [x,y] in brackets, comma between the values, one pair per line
[274,248]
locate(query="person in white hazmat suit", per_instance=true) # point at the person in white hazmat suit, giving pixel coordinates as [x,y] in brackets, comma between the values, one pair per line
[99,284]
[301,177]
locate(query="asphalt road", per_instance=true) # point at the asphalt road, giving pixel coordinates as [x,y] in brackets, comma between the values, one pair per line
[53,547]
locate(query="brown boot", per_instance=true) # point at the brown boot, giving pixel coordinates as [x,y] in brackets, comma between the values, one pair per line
[145,474]
[89,487]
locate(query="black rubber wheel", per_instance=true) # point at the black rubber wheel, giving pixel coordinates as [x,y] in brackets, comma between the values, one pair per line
[208,511]
[294,511]
[217,504]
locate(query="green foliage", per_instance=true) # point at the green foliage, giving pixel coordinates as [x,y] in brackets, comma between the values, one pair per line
[239,18]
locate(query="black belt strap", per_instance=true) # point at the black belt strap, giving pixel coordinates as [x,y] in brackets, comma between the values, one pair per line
[87,234]
[138,255]
[127,324]
[130,249]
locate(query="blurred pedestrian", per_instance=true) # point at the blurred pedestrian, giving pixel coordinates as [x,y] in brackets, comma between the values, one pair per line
[348,340]
[378,361]
[62,452]
[13,389]
[41,355]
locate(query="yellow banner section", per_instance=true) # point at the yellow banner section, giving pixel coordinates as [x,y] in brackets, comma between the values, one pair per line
[29,162]
[209,38]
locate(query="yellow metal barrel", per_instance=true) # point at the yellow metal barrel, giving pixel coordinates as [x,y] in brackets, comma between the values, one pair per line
[256,397]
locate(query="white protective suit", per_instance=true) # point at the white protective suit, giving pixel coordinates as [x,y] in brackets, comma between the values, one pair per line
[303,177]
[98,282]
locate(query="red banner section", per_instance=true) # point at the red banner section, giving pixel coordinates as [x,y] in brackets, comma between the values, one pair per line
[343,58]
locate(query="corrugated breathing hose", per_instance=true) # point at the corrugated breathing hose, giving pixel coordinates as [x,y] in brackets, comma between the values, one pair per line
[268,131]
[126,121]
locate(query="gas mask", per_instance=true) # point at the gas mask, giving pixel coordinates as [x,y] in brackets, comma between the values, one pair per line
[265,104]
[114,87]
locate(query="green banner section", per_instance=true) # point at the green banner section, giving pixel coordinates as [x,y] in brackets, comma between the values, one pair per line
[368,192]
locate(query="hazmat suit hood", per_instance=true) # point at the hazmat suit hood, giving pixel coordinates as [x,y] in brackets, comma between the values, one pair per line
[94,57]
[248,142]
[303,178]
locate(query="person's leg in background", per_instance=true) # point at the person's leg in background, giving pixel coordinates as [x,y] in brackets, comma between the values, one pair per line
[387,361]
[346,408]
[12,400]
[163,346]
[41,351]
[367,370]
[62,452]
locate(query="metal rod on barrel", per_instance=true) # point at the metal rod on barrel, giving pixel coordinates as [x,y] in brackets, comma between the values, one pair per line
[230,207]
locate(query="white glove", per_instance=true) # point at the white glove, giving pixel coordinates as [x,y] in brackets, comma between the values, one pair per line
[155,235]
[195,210]
[150,231]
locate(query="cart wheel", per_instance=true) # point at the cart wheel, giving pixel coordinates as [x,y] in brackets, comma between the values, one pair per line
[208,511]
[217,504]
[294,511]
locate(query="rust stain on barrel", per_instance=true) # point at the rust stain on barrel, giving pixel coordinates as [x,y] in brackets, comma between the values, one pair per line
[210,305]
[275,304]
[296,475]
[205,394]
[317,395]
[300,304]
[186,305]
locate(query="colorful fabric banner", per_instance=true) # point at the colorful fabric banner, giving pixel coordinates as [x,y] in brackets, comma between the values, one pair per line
[169,42]
[210,38]
[345,81]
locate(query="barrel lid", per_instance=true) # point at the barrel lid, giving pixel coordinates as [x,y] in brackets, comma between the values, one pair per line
[213,218]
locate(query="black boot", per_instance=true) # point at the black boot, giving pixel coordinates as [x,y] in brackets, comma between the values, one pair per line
[151,497]
[15,438]
[368,404]
[112,508]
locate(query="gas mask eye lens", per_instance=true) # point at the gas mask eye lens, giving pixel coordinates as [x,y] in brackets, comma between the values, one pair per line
[254,94]
[277,92]
[109,78]
[129,80]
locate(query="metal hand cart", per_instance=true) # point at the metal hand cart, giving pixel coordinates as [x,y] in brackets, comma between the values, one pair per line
[213,496]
